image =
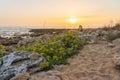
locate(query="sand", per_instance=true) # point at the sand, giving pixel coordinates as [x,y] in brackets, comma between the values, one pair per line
[93,62]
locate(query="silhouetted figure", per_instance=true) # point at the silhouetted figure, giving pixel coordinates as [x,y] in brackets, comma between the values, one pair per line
[80,28]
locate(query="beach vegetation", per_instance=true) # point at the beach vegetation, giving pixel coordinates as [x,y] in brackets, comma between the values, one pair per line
[57,49]
[2,51]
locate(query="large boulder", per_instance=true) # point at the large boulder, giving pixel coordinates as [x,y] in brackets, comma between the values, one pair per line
[16,62]
[116,42]
[116,51]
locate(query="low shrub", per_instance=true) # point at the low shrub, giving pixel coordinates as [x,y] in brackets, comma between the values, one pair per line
[44,65]
[2,51]
[58,48]
[1,59]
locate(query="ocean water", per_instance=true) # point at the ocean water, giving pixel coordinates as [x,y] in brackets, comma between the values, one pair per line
[11,31]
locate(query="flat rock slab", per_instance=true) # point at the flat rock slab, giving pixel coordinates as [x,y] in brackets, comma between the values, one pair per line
[17,62]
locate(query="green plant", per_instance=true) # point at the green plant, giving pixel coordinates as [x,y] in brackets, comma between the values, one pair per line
[0,59]
[2,51]
[44,65]
[58,48]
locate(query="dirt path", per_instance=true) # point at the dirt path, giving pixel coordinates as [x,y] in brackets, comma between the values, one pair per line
[94,62]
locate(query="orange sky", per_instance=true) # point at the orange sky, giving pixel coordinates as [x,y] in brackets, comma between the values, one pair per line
[58,12]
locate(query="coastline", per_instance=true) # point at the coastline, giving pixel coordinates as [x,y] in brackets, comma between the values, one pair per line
[100,38]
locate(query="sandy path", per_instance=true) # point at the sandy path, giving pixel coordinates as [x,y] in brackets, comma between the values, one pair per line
[94,62]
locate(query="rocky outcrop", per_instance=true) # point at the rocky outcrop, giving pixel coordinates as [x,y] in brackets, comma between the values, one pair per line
[17,62]
[26,41]
[10,41]
[116,51]
[94,36]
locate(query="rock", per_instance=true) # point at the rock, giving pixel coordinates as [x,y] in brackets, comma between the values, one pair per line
[117,61]
[45,37]
[17,62]
[34,56]
[85,35]
[26,41]
[98,34]
[9,41]
[92,42]
[116,42]
[116,51]
[33,39]
[21,76]
[111,45]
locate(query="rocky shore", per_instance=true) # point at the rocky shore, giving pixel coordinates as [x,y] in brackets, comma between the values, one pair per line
[98,60]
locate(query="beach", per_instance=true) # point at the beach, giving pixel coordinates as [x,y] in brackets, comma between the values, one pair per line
[97,57]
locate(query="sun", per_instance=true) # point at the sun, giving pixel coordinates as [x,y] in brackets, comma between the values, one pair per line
[73,20]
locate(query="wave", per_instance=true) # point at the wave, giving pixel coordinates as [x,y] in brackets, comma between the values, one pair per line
[11,31]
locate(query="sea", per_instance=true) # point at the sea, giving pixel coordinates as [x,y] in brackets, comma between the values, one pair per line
[12,31]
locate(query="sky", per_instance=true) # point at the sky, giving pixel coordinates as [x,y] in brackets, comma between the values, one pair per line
[58,12]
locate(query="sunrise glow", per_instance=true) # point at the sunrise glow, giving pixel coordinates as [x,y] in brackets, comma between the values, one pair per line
[58,12]
[73,20]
